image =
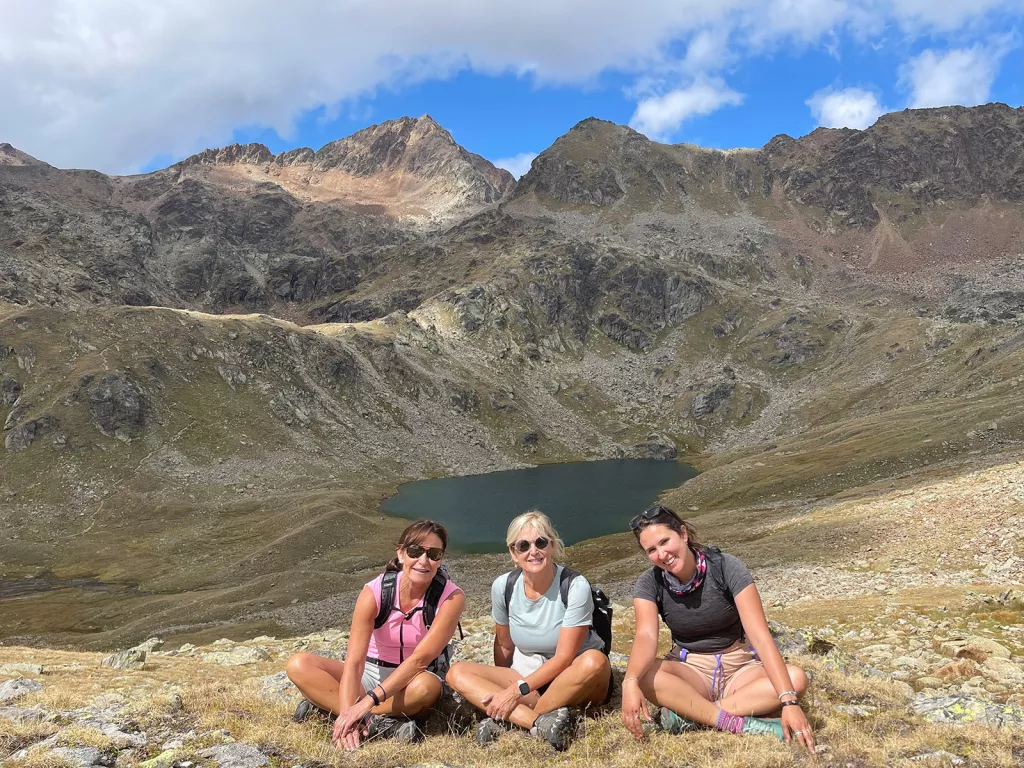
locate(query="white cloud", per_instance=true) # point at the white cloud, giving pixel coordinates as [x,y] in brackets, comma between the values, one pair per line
[846,108]
[517,165]
[660,116]
[963,76]
[112,83]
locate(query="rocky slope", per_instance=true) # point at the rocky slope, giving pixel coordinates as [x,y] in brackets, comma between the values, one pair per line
[831,312]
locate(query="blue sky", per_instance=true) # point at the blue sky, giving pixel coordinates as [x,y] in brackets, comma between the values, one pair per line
[124,87]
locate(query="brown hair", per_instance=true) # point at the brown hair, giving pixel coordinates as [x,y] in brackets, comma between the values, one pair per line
[671,520]
[414,534]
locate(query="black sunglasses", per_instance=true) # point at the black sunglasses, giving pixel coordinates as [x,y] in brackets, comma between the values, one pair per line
[523,546]
[415,551]
[649,514]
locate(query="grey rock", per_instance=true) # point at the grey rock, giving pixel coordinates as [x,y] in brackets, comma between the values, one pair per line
[708,402]
[20,668]
[236,756]
[133,658]
[798,641]
[236,656]
[82,757]
[25,715]
[113,732]
[12,690]
[964,709]
[150,645]
[10,391]
[657,446]
[117,405]
[947,758]
[20,438]
[278,687]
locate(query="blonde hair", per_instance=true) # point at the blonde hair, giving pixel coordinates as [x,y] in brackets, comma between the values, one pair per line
[542,524]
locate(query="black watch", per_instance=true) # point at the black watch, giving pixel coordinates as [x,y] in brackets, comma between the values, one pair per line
[524,687]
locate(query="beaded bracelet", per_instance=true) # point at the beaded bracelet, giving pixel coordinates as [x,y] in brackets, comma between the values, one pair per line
[787,693]
[793,703]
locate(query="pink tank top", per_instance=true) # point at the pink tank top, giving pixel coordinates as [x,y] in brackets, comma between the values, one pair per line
[398,632]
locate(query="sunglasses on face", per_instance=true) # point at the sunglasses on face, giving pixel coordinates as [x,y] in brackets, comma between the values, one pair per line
[648,514]
[523,546]
[415,551]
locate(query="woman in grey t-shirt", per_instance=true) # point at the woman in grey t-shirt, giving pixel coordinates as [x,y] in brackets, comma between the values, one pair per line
[547,657]
[724,668]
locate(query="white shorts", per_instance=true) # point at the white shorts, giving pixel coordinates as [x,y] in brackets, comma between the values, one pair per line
[527,663]
[374,675]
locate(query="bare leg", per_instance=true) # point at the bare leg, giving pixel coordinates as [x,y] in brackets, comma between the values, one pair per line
[476,681]
[751,692]
[674,685]
[318,678]
[584,682]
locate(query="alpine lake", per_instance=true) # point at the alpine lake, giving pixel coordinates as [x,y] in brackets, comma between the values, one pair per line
[583,499]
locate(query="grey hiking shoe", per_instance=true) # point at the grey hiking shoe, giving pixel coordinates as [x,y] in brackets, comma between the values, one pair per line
[672,722]
[488,730]
[555,728]
[401,729]
[759,726]
[308,709]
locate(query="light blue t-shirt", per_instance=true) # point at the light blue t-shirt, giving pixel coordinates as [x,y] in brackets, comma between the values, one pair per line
[535,624]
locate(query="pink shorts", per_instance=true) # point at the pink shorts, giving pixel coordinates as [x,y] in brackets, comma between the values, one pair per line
[718,670]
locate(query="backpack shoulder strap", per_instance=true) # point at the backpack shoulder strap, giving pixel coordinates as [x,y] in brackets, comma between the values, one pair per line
[565,580]
[714,554]
[510,584]
[433,597]
[387,598]
[659,590]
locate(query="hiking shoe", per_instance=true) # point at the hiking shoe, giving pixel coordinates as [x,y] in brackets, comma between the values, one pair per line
[672,722]
[488,730]
[555,728]
[760,726]
[401,729]
[308,709]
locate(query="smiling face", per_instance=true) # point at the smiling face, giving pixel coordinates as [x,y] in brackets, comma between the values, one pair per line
[533,560]
[667,549]
[420,570]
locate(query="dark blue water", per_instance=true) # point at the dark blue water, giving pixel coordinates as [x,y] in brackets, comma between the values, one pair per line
[584,499]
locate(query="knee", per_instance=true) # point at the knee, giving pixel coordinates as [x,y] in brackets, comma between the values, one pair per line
[425,688]
[298,666]
[799,678]
[592,664]
[457,675]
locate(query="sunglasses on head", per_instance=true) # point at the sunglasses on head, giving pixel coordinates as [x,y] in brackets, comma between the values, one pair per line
[415,551]
[649,514]
[523,546]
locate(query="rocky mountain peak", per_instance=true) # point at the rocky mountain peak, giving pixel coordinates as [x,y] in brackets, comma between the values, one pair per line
[247,154]
[12,156]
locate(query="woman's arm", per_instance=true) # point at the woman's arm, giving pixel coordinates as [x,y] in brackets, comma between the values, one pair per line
[350,689]
[755,625]
[641,657]
[504,648]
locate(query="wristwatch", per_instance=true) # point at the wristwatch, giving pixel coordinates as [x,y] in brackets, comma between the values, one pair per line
[524,687]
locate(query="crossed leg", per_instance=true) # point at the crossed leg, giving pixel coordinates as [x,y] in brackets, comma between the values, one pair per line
[750,692]
[584,682]
[318,678]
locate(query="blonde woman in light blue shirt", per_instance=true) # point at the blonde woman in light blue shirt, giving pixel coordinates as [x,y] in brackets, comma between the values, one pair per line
[547,656]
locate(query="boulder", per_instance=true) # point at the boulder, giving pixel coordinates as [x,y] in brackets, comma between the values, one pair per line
[12,690]
[939,708]
[978,649]
[81,757]
[235,756]
[133,658]
[23,715]
[1003,671]
[117,405]
[20,438]
[657,446]
[10,391]
[20,668]
[236,656]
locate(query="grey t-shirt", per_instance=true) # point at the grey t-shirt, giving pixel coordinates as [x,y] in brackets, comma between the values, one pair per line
[535,624]
[705,620]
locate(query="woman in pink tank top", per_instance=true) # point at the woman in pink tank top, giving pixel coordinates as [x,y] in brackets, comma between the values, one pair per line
[388,683]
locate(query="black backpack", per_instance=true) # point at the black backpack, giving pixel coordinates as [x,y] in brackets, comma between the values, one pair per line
[716,569]
[602,621]
[429,607]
